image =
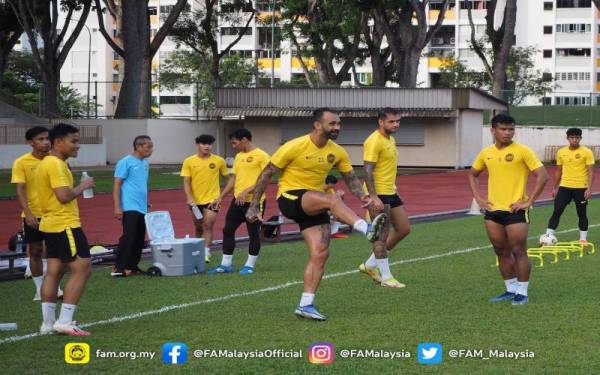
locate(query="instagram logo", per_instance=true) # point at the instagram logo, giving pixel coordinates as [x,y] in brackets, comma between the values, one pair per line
[320,352]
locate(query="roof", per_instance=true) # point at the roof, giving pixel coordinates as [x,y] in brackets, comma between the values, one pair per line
[344,112]
[353,102]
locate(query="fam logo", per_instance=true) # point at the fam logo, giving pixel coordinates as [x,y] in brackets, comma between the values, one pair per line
[509,157]
[212,165]
[77,353]
[330,158]
[174,353]
[577,156]
[249,159]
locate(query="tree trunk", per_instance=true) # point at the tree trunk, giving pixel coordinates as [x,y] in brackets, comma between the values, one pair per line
[3,62]
[136,89]
[502,54]
[408,68]
[50,94]
[214,70]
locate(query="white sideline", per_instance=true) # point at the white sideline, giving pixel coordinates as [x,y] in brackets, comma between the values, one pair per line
[163,309]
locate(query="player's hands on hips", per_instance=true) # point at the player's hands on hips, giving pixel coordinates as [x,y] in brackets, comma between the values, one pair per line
[118,214]
[587,194]
[253,214]
[518,206]
[484,204]
[215,205]
[31,220]
[377,203]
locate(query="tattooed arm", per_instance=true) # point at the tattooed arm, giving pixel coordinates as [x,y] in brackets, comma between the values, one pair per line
[261,185]
[355,187]
[370,181]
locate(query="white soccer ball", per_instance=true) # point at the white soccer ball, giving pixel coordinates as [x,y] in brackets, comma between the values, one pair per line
[548,239]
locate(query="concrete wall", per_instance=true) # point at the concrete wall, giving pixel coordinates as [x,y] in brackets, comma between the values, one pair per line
[266,133]
[537,138]
[469,128]
[89,155]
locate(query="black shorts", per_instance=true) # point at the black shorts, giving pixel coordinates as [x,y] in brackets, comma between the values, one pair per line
[507,218]
[67,245]
[290,205]
[203,207]
[32,234]
[393,200]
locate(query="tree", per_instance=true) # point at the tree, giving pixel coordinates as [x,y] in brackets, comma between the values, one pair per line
[522,76]
[501,36]
[379,56]
[406,40]
[10,33]
[330,31]
[189,67]
[39,19]
[137,50]
[199,32]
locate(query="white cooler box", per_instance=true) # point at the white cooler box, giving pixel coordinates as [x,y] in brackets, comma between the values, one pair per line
[172,256]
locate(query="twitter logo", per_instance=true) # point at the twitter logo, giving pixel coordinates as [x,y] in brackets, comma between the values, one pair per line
[429,353]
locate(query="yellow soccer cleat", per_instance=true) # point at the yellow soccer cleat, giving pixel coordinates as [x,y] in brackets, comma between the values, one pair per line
[371,271]
[392,283]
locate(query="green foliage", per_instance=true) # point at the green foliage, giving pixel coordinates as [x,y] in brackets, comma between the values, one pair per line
[523,79]
[189,67]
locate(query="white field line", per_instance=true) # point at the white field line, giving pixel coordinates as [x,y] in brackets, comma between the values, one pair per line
[163,309]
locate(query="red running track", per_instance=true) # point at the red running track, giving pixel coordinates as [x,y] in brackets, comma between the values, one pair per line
[422,194]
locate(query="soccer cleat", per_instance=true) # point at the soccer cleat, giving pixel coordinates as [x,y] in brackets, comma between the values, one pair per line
[520,299]
[583,242]
[207,258]
[376,226]
[59,293]
[506,296]
[246,270]
[46,329]
[117,272]
[37,296]
[339,235]
[392,283]
[69,329]
[309,312]
[371,271]
[220,269]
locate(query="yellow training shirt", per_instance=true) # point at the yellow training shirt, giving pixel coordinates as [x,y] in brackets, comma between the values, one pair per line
[23,170]
[247,166]
[382,151]
[204,174]
[305,166]
[53,173]
[508,169]
[574,166]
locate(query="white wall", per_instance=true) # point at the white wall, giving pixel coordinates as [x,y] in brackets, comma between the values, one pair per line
[537,138]
[89,155]
[174,140]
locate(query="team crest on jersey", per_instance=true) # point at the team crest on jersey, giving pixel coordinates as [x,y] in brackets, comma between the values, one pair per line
[577,156]
[212,165]
[330,158]
[509,157]
[249,159]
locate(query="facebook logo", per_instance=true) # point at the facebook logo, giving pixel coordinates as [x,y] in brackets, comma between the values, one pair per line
[174,353]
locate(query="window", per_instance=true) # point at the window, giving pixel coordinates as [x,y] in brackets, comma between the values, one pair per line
[573,28]
[547,5]
[235,31]
[547,29]
[547,53]
[573,3]
[474,4]
[175,100]
[115,77]
[546,76]
[566,52]
[547,100]
[152,11]
[115,56]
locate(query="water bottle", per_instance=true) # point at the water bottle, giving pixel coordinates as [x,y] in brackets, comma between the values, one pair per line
[196,211]
[87,193]
[19,245]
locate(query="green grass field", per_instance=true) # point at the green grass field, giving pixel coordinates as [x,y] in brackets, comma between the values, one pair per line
[449,272]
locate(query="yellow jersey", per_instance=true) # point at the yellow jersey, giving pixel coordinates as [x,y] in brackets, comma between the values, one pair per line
[305,166]
[247,166]
[204,174]
[574,166]
[53,173]
[382,150]
[23,170]
[508,169]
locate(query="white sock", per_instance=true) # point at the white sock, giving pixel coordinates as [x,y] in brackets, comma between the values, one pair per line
[371,263]
[522,287]
[251,260]
[361,226]
[37,280]
[384,268]
[227,260]
[583,235]
[550,231]
[66,313]
[307,299]
[49,312]
[207,251]
[511,285]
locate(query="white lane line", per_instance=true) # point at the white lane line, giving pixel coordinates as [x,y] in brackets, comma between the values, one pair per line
[163,309]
